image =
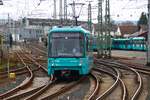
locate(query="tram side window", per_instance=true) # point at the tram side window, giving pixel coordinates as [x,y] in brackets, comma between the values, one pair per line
[137,42]
[89,44]
[116,43]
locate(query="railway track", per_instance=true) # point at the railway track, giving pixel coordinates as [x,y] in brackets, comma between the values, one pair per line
[62,90]
[14,70]
[44,69]
[34,47]
[96,86]
[138,76]
[27,83]
[140,68]
[17,72]
[117,80]
[31,58]
[42,51]
[40,46]
[10,92]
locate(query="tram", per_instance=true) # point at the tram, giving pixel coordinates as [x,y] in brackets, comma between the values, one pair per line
[69,51]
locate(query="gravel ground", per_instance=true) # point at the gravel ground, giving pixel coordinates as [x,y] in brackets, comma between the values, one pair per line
[148,97]
[78,93]
[12,84]
[138,56]
[40,73]
[123,53]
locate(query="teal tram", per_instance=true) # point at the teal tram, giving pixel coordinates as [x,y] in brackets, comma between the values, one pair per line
[136,43]
[69,51]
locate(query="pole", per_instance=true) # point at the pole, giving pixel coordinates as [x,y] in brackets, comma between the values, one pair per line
[8,61]
[65,9]
[65,12]
[76,20]
[15,35]
[148,40]
[100,30]
[107,30]
[8,24]
[1,2]
[60,11]
[89,17]
[74,13]
[54,13]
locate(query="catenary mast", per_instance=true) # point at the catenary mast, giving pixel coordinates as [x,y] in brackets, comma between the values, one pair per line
[148,40]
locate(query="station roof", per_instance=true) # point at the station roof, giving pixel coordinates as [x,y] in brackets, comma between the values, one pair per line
[144,34]
[128,29]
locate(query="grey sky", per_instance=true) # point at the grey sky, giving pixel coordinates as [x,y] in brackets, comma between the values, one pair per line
[120,9]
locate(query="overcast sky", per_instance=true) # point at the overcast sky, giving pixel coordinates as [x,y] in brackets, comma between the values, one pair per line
[119,9]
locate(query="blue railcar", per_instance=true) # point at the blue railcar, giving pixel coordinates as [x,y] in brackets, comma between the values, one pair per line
[69,51]
[122,44]
[137,43]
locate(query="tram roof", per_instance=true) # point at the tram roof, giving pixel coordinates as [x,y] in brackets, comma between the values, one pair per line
[69,29]
[139,38]
[121,39]
[134,38]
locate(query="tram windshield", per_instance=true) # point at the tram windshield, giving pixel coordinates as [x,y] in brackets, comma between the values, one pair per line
[66,45]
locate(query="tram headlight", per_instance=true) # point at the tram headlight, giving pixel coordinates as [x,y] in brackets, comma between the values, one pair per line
[80,64]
